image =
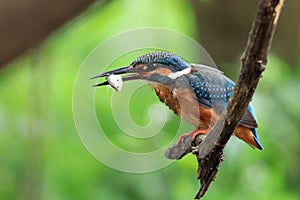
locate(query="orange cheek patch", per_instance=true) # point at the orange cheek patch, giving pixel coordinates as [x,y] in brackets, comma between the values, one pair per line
[163,71]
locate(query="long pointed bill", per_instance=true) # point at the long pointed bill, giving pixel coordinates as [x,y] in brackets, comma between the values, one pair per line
[114,79]
[101,84]
[122,70]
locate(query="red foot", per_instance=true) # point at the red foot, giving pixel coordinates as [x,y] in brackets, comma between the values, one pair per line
[193,134]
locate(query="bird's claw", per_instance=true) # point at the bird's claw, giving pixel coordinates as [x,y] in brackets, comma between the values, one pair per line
[194,134]
[195,150]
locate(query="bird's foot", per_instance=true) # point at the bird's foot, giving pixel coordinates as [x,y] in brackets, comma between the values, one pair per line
[195,150]
[193,134]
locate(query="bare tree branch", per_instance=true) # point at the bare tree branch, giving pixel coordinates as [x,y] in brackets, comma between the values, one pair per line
[210,151]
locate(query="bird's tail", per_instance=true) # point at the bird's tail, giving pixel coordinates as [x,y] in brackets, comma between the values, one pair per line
[256,138]
[249,136]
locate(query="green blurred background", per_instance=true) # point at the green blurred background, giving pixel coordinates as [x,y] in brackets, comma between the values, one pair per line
[42,156]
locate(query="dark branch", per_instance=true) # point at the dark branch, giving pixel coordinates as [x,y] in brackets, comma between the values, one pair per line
[254,60]
[185,146]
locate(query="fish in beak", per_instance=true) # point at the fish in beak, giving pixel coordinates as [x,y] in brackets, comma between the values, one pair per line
[114,78]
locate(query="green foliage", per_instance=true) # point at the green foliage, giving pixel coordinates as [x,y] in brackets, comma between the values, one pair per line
[42,156]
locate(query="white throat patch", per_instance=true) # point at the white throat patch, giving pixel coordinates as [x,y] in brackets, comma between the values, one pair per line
[175,75]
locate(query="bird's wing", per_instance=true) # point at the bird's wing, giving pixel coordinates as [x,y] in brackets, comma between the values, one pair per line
[213,90]
[249,119]
[210,86]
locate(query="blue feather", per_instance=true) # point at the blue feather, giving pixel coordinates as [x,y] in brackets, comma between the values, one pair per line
[253,130]
[256,138]
[169,60]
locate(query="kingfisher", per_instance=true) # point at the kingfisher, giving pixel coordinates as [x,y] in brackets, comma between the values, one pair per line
[197,93]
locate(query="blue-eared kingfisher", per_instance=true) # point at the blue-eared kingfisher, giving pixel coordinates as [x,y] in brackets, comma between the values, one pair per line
[195,92]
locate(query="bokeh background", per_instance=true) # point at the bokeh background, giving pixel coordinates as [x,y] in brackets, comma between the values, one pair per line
[42,157]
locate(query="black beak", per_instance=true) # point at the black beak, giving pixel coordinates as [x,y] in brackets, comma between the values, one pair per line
[123,70]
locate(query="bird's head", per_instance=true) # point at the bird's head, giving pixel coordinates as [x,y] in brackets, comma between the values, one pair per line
[155,67]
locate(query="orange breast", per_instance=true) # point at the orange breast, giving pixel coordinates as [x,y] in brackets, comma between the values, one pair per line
[164,94]
[184,103]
